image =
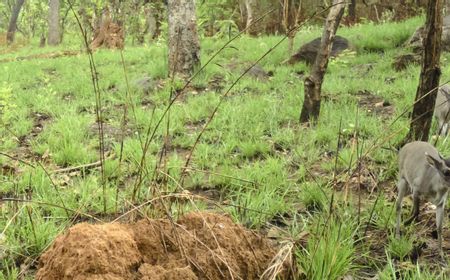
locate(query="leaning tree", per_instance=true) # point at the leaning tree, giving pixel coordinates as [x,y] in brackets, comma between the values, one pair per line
[12,27]
[313,83]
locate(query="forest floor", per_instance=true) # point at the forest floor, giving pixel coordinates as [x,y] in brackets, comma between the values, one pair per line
[323,194]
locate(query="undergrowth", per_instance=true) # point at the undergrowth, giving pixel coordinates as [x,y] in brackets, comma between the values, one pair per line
[332,183]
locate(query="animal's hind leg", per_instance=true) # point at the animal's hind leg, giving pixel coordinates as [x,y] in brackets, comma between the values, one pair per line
[445,129]
[402,186]
[439,221]
[415,209]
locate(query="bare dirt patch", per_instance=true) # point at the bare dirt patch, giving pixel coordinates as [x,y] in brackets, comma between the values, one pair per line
[375,104]
[24,150]
[402,62]
[200,245]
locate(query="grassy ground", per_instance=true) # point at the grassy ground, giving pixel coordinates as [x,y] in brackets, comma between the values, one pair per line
[329,188]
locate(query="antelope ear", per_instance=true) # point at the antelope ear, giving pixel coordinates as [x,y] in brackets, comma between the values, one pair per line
[432,161]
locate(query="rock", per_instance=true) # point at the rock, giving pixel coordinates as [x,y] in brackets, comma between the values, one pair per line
[145,84]
[308,51]
[402,61]
[258,73]
[415,42]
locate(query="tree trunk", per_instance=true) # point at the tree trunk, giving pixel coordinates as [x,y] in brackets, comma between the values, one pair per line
[291,19]
[352,11]
[12,27]
[313,83]
[250,6]
[150,21]
[429,75]
[184,46]
[54,36]
[42,41]
[242,13]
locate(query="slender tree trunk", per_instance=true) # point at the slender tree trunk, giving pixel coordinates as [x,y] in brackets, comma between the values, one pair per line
[242,13]
[250,6]
[12,27]
[352,11]
[42,41]
[291,19]
[54,35]
[63,24]
[429,75]
[150,21]
[313,83]
[184,46]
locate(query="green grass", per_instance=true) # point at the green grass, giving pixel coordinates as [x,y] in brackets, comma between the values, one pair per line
[330,250]
[265,165]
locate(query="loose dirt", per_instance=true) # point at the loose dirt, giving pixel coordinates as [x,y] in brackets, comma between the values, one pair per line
[200,245]
[375,104]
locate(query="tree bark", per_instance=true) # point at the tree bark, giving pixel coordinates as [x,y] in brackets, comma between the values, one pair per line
[352,11]
[54,36]
[12,27]
[250,6]
[313,83]
[429,75]
[184,46]
[150,21]
[291,19]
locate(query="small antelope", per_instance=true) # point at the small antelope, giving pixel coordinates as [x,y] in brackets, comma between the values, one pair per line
[442,109]
[427,174]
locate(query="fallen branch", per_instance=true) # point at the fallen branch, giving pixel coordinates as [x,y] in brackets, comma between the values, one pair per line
[41,55]
[17,159]
[80,167]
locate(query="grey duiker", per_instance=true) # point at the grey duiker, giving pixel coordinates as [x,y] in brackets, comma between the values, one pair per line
[442,109]
[424,174]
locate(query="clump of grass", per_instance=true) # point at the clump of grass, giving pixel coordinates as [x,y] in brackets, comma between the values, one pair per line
[382,213]
[255,206]
[330,250]
[411,272]
[66,141]
[313,197]
[254,149]
[401,247]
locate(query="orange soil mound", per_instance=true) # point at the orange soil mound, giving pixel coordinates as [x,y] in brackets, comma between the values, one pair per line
[201,246]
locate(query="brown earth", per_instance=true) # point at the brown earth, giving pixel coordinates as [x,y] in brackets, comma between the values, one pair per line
[109,34]
[200,245]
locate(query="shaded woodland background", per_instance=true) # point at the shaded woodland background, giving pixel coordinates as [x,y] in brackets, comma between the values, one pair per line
[143,21]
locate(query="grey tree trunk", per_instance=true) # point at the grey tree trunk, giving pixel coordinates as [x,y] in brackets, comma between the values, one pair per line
[313,83]
[251,6]
[54,36]
[352,11]
[184,46]
[429,74]
[150,19]
[12,27]
[291,18]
